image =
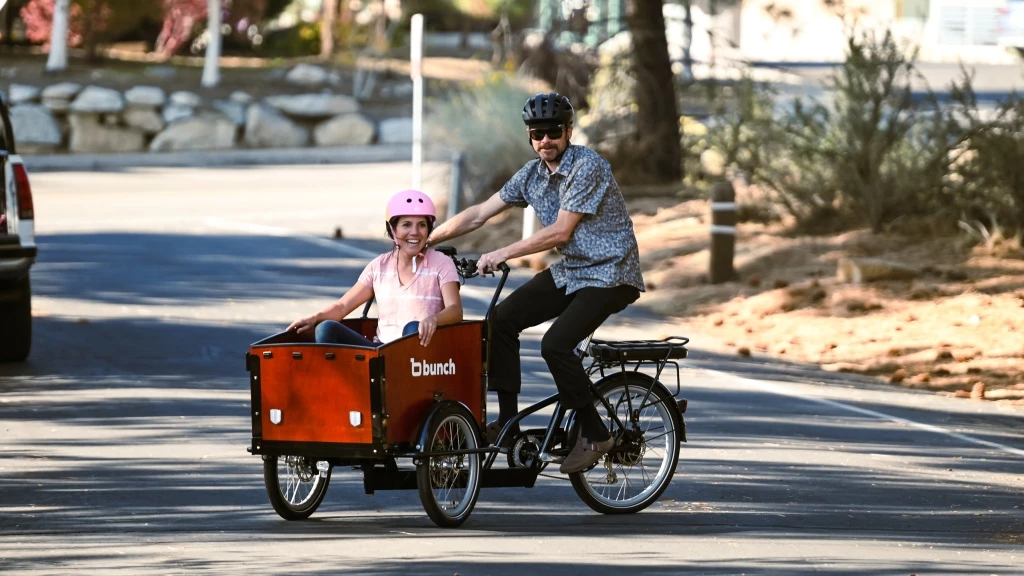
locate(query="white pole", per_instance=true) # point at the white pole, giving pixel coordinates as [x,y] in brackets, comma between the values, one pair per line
[58,58]
[529,221]
[211,67]
[416,71]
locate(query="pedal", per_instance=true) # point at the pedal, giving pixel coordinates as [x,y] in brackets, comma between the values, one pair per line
[551,458]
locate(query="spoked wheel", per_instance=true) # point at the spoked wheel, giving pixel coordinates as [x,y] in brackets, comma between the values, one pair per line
[640,466]
[294,485]
[449,484]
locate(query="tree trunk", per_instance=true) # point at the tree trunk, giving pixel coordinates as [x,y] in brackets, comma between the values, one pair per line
[58,58]
[90,40]
[8,23]
[657,121]
[345,16]
[687,53]
[382,28]
[330,11]
[211,65]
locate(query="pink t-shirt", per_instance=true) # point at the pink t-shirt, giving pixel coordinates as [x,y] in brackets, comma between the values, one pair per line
[397,305]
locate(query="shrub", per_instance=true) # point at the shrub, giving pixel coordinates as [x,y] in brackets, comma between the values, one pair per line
[869,155]
[484,121]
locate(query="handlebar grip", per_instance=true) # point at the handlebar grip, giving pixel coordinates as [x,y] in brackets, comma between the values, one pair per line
[503,267]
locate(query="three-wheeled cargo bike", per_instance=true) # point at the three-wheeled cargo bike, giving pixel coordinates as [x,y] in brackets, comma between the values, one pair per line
[318,407]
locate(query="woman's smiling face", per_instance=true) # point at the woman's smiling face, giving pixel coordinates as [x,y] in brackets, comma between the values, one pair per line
[411,234]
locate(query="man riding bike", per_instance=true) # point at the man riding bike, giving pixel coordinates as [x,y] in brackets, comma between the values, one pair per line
[574,194]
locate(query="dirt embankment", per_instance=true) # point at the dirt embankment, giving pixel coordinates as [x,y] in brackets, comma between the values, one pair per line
[956,328]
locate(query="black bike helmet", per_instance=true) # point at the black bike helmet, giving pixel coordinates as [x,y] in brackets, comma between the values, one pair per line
[550,108]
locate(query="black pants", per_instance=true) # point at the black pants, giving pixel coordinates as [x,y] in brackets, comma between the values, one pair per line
[578,314]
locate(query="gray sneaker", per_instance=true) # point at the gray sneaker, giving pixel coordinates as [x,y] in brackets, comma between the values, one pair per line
[585,454]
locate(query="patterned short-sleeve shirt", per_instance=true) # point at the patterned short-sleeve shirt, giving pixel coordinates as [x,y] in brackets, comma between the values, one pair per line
[602,251]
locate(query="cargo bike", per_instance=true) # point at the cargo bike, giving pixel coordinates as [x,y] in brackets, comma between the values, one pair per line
[412,417]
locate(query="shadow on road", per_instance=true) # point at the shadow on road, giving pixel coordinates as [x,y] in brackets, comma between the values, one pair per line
[139,425]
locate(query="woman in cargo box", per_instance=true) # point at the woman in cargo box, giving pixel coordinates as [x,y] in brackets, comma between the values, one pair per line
[416,289]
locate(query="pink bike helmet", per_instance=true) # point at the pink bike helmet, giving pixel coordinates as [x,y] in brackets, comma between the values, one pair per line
[411,203]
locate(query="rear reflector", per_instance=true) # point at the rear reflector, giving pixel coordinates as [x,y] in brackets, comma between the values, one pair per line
[25,208]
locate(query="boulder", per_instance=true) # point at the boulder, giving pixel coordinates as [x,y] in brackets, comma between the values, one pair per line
[89,135]
[265,127]
[35,129]
[860,270]
[184,98]
[96,100]
[175,112]
[240,97]
[58,105]
[22,94]
[235,111]
[146,96]
[395,131]
[62,91]
[307,75]
[144,118]
[314,105]
[345,130]
[207,131]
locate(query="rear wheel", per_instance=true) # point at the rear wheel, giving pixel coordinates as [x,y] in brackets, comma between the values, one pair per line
[449,484]
[294,485]
[636,472]
[16,311]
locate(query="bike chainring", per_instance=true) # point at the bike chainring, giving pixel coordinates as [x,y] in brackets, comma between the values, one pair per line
[525,448]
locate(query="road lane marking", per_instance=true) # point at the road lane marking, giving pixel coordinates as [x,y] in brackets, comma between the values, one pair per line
[783,391]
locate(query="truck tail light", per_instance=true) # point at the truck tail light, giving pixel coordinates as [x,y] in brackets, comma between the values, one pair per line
[25,208]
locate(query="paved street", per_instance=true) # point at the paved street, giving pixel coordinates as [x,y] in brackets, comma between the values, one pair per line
[123,438]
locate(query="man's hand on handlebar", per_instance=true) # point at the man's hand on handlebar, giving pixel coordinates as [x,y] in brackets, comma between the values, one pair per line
[489,262]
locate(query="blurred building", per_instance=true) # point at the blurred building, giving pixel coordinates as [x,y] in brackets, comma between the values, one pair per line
[808,31]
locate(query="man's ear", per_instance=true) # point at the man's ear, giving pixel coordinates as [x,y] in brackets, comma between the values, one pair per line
[568,132]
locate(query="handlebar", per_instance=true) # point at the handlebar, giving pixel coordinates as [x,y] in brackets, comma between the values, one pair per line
[467,268]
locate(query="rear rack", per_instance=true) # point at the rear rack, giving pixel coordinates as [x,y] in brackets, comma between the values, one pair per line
[637,353]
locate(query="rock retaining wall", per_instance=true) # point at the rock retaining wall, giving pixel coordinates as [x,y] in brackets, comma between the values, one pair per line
[68,117]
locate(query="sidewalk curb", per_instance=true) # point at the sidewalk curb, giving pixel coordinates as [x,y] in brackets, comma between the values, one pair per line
[219,158]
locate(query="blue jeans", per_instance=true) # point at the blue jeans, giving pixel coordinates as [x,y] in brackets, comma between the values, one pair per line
[331,332]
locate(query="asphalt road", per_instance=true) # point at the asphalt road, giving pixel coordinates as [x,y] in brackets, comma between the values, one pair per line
[123,438]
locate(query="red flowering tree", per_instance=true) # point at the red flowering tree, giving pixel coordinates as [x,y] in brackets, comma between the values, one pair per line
[38,18]
[183,20]
[95,21]
[91,21]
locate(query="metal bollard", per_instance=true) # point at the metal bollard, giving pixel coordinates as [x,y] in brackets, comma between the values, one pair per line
[455,195]
[723,233]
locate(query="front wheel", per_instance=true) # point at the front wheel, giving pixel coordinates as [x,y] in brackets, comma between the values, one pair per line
[641,465]
[294,485]
[449,484]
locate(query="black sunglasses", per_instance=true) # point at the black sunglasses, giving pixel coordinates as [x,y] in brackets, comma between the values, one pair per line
[538,134]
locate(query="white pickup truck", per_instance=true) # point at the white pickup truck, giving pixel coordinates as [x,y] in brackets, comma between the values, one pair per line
[17,248]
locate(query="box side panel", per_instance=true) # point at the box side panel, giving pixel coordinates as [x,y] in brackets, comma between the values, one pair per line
[313,396]
[450,367]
